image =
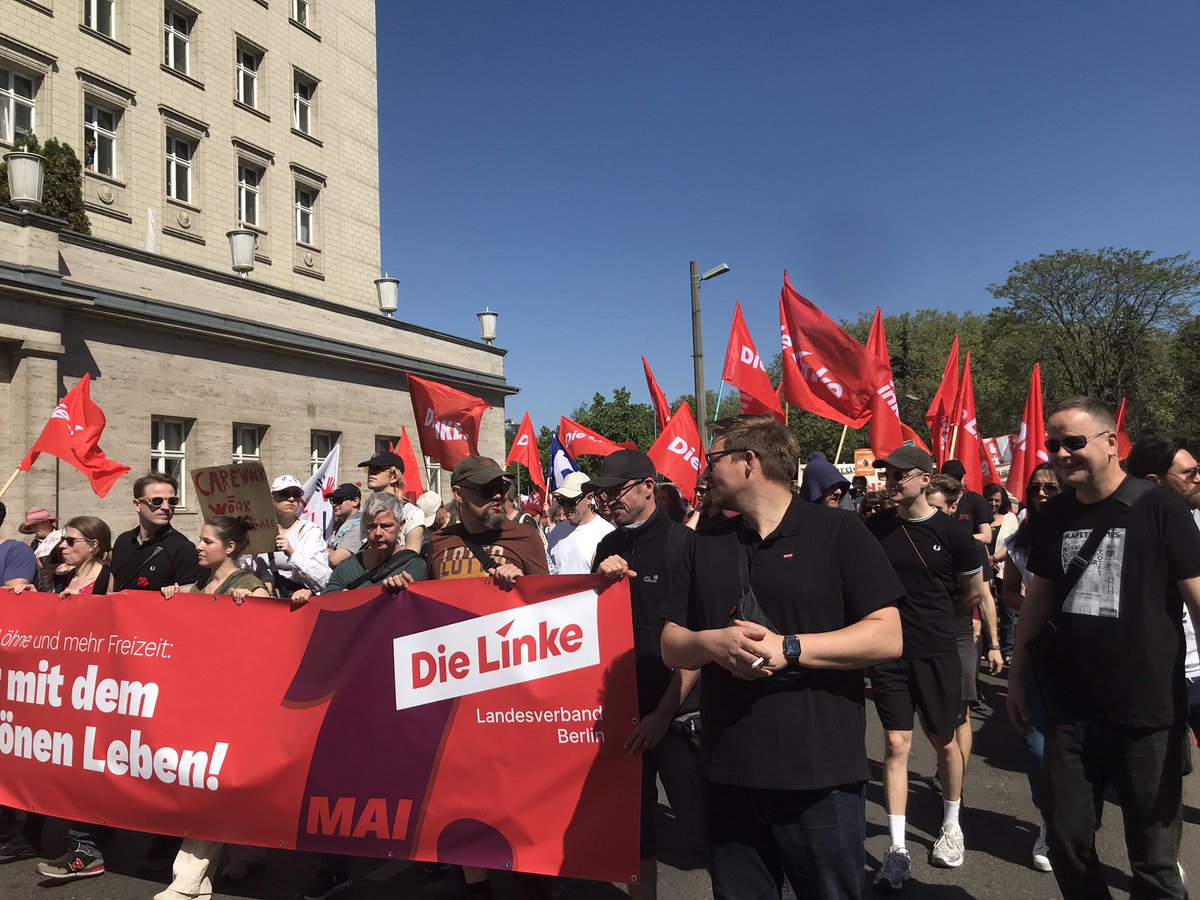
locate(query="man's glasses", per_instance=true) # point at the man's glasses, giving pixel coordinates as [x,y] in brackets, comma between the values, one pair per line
[1192,474]
[728,451]
[613,494]
[156,502]
[1049,488]
[491,489]
[899,478]
[1074,443]
[293,496]
[72,541]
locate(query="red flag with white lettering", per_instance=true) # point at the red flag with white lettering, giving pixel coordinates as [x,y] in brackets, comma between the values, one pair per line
[678,454]
[886,434]
[745,371]
[1124,445]
[662,409]
[837,373]
[72,433]
[991,460]
[966,439]
[941,415]
[414,484]
[447,421]
[1028,448]
[524,450]
[578,440]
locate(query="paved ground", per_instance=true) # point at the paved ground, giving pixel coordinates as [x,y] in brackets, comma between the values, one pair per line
[998,822]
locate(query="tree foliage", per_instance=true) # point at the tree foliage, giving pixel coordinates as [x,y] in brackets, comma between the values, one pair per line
[62,193]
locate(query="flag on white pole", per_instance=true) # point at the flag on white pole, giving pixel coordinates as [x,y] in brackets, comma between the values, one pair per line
[317,489]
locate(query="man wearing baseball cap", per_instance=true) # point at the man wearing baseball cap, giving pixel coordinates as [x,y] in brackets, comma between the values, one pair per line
[941,569]
[385,472]
[347,539]
[573,541]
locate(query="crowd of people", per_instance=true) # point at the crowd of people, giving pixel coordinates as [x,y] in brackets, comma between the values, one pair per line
[764,616]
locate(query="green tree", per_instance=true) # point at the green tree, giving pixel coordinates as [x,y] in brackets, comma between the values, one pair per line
[62,195]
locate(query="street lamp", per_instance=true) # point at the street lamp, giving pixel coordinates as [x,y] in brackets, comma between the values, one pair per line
[698,342]
[387,290]
[487,326]
[242,243]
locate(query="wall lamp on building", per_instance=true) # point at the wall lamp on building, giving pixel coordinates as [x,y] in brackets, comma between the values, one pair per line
[242,244]
[26,172]
[388,291]
[487,326]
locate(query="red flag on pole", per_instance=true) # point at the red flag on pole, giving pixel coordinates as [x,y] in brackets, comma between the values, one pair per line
[73,435]
[678,453]
[941,415]
[1028,448]
[838,376]
[414,482]
[886,434]
[524,450]
[447,421]
[662,409]
[1124,445]
[745,371]
[578,440]
[966,437]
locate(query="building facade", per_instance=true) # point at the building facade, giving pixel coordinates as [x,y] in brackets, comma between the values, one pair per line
[193,120]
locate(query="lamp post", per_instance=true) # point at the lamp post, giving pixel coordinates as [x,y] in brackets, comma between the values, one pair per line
[698,344]
[26,175]
[242,242]
[487,326]
[387,290]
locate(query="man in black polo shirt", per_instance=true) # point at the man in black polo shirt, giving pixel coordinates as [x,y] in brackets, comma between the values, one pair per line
[649,547]
[783,607]
[154,554]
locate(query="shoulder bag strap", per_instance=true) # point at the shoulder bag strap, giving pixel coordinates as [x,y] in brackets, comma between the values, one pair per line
[477,551]
[383,570]
[157,550]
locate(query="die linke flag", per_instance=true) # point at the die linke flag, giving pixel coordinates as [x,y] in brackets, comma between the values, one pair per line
[1028,449]
[414,484]
[745,371]
[678,454]
[1124,445]
[941,415]
[886,432]
[966,442]
[524,451]
[662,410]
[73,435]
[578,441]
[838,378]
[447,421]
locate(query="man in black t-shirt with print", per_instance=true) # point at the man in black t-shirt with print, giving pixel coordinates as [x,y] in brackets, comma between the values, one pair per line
[1111,668]
[782,749]
[941,569]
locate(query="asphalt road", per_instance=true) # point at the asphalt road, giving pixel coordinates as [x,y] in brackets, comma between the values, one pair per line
[998,821]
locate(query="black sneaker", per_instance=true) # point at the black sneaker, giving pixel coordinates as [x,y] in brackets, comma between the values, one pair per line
[75,864]
[326,884]
[17,847]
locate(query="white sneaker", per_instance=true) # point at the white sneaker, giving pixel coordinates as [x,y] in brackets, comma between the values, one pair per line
[1041,853]
[896,869]
[948,849]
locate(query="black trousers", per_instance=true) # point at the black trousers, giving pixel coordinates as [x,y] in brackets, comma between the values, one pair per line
[1145,768]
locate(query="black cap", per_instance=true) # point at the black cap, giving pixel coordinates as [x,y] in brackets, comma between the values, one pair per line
[619,467]
[382,460]
[954,468]
[478,470]
[344,492]
[907,458]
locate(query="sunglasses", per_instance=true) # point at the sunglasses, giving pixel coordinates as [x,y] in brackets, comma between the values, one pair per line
[491,489]
[728,451]
[1049,488]
[900,479]
[613,494]
[156,502]
[294,496]
[72,541]
[1074,443]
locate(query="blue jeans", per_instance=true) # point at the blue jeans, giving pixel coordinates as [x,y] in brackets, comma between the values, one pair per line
[85,837]
[757,836]
[1035,741]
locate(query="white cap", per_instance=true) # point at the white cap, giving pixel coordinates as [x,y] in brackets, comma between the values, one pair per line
[285,483]
[572,486]
[429,503]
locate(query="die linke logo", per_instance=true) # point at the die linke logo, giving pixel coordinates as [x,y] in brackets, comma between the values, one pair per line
[570,436]
[445,429]
[680,447]
[523,441]
[497,650]
[888,393]
[61,412]
[819,375]
[748,357]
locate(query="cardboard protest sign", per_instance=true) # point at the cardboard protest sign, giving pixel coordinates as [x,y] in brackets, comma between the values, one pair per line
[239,489]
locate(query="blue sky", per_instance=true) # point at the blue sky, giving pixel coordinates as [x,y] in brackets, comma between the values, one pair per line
[561,162]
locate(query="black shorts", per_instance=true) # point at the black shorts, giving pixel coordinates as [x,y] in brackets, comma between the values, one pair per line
[933,686]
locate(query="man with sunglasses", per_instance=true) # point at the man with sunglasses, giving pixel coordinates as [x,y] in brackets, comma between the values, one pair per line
[573,541]
[154,554]
[1113,561]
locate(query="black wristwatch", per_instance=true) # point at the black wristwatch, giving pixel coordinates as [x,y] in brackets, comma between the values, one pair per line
[791,649]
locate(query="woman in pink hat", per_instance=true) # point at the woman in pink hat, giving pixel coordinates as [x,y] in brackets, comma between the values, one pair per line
[46,539]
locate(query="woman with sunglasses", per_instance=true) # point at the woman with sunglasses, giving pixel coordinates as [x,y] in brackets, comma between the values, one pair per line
[301,557]
[86,547]
[1043,486]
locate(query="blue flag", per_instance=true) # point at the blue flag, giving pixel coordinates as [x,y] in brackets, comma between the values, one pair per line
[560,465]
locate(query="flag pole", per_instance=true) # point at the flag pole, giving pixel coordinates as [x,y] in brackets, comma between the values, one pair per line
[838,456]
[11,479]
[717,409]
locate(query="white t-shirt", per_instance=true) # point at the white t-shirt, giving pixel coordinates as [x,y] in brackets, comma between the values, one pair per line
[574,553]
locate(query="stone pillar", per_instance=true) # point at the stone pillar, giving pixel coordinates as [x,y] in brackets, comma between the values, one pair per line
[33,390]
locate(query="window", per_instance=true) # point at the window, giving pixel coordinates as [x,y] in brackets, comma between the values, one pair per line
[323,443]
[100,139]
[179,168]
[168,451]
[248,62]
[249,179]
[433,471]
[177,38]
[385,442]
[300,12]
[100,15]
[247,443]
[306,204]
[16,105]
[303,92]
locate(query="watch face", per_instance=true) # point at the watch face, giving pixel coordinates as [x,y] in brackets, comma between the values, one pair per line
[791,647]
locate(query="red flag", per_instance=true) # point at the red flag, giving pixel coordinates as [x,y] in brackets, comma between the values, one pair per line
[447,421]
[966,437]
[662,409]
[414,484]
[941,415]
[524,450]
[991,460]
[577,440]
[678,453]
[838,376]
[910,435]
[1124,445]
[535,501]
[1028,447]
[73,435]
[886,433]
[745,371]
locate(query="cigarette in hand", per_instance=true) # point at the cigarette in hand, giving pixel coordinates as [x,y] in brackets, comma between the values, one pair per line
[759,663]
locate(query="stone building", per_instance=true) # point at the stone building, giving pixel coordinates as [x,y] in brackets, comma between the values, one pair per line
[192,121]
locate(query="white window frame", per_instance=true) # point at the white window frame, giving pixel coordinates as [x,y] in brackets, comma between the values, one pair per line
[248,191]
[10,100]
[92,10]
[318,440]
[306,215]
[302,106]
[179,167]
[161,456]
[177,39]
[96,130]
[300,12]
[433,474]
[244,436]
[247,62]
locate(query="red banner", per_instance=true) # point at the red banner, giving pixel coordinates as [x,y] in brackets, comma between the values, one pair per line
[1029,446]
[414,480]
[966,434]
[886,432]
[941,415]
[1124,445]
[364,723]
[678,454]
[745,371]
[579,440]
[524,450]
[662,409]
[447,421]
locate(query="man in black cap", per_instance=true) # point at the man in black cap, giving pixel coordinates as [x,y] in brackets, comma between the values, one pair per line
[385,472]
[941,569]
[649,547]
[347,538]
[974,512]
